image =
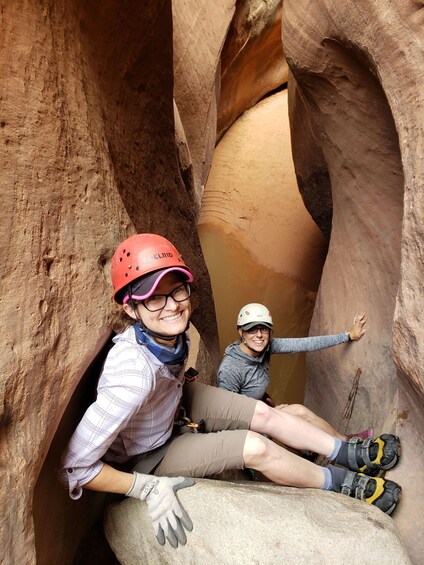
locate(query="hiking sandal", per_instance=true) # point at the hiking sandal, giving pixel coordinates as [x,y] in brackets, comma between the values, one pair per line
[373,454]
[383,493]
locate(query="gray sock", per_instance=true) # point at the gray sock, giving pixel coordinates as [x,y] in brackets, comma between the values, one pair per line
[337,477]
[337,445]
[328,481]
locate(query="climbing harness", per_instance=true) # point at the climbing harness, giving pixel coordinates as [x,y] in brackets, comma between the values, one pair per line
[183,424]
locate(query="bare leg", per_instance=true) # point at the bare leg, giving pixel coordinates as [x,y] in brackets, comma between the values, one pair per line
[302,412]
[291,430]
[279,465]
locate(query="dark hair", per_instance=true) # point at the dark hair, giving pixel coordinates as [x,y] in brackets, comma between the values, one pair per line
[119,319]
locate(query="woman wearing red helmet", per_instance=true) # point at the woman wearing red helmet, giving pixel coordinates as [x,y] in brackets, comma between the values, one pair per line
[138,266]
[126,442]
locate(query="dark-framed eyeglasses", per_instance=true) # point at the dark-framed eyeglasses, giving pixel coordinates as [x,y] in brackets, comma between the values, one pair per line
[158,301]
[263,329]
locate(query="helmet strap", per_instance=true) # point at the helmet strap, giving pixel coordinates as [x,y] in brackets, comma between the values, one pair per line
[146,330]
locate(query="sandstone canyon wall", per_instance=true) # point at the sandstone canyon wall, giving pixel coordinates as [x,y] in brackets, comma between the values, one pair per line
[357,90]
[199,29]
[252,60]
[88,158]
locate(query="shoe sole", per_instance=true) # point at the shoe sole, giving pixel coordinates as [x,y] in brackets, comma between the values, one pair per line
[396,494]
[379,470]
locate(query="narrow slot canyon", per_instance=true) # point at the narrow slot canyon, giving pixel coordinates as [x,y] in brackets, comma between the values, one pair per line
[259,241]
[278,145]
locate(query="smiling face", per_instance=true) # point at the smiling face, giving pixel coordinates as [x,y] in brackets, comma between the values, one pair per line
[170,320]
[254,344]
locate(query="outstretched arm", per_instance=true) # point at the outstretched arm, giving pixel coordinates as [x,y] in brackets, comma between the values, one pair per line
[314,343]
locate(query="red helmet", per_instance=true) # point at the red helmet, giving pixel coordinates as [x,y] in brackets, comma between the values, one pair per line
[140,255]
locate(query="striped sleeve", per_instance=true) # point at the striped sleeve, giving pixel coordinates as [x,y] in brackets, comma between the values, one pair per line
[125,383]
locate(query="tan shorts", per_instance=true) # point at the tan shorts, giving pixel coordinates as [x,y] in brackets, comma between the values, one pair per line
[227,418]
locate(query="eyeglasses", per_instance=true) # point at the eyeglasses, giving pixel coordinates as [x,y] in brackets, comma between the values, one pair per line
[263,329]
[158,301]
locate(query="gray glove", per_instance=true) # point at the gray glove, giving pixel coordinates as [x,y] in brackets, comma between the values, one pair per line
[166,513]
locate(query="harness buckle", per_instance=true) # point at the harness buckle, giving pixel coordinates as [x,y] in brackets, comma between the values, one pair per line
[191,375]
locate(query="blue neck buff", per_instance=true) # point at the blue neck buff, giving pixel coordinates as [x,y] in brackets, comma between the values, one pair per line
[167,355]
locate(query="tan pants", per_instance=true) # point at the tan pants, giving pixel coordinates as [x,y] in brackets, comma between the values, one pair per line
[226,417]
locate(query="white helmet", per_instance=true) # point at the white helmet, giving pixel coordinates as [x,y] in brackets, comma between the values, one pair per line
[254,314]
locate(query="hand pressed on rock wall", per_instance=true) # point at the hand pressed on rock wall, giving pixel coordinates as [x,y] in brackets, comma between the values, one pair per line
[358,330]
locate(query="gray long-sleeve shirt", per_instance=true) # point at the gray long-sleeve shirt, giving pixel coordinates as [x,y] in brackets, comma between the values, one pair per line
[239,372]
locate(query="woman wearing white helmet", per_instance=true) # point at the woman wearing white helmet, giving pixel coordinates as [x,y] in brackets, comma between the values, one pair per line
[245,366]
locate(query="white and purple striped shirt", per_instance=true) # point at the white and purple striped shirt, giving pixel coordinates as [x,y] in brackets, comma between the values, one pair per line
[137,397]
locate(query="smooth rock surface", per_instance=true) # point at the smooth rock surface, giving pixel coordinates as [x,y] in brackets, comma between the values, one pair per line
[199,31]
[358,79]
[88,158]
[252,60]
[260,523]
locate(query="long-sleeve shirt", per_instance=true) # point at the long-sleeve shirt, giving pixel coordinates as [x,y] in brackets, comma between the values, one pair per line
[137,397]
[242,373]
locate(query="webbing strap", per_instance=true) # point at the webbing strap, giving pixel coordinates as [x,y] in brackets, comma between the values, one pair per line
[352,450]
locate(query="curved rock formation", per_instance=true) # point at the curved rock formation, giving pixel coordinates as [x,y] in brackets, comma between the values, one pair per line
[199,28]
[252,61]
[347,63]
[89,157]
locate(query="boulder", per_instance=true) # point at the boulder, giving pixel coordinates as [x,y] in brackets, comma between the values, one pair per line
[259,523]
